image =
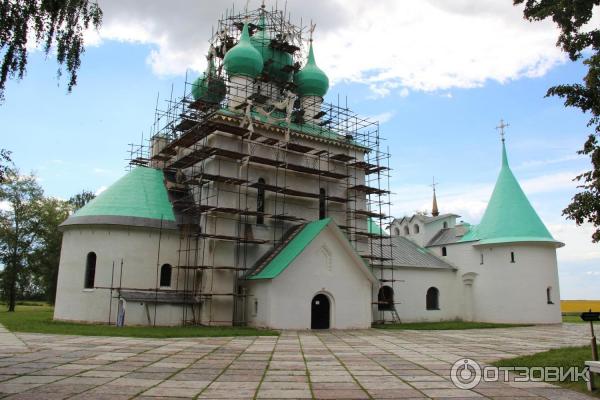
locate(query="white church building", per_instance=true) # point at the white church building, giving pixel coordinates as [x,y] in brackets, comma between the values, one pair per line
[256,203]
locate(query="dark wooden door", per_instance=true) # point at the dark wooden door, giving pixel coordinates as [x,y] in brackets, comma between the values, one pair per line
[320,311]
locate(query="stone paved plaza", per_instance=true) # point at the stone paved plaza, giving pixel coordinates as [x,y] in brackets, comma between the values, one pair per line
[367,364]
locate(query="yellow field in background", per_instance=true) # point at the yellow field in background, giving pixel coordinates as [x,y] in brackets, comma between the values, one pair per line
[573,306]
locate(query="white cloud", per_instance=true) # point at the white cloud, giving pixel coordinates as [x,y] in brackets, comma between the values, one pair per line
[550,183]
[100,190]
[470,200]
[593,273]
[578,242]
[418,45]
[543,163]
[383,117]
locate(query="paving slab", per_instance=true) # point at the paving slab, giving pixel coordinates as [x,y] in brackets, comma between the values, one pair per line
[360,364]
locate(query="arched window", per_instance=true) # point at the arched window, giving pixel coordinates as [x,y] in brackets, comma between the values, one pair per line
[322,204]
[433,299]
[397,231]
[90,270]
[385,298]
[165,275]
[445,225]
[406,230]
[512,256]
[260,202]
[444,252]
[549,295]
[416,228]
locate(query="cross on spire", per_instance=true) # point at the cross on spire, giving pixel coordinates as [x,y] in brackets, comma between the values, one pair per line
[311,30]
[500,128]
[433,184]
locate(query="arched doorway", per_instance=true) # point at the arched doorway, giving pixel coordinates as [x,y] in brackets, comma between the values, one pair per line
[385,299]
[320,312]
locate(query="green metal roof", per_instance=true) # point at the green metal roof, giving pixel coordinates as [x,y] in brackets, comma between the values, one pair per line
[311,79]
[509,217]
[209,87]
[274,60]
[374,228]
[292,250]
[243,59]
[140,193]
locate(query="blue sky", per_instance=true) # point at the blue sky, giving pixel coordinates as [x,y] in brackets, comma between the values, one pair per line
[432,126]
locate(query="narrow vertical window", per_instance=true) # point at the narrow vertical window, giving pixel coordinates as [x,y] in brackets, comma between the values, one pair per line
[444,252]
[322,204]
[445,225]
[90,270]
[406,230]
[165,275]
[481,259]
[512,256]
[549,295]
[260,202]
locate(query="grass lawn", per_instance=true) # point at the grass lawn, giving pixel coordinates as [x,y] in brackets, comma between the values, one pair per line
[565,357]
[445,325]
[38,319]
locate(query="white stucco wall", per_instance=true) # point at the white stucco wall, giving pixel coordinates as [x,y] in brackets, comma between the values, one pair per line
[506,292]
[138,248]
[410,287]
[325,266]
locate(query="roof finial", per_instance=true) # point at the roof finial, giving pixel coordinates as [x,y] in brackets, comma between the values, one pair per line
[434,209]
[311,30]
[500,128]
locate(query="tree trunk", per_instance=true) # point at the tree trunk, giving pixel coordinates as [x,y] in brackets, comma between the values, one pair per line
[12,293]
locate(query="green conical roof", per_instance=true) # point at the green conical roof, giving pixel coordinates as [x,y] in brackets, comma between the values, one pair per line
[209,87]
[141,193]
[274,60]
[509,217]
[243,59]
[311,80]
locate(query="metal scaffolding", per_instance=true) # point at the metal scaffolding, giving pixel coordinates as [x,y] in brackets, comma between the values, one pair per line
[214,148]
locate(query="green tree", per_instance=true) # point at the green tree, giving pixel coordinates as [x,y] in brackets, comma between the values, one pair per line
[5,162]
[580,41]
[19,230]
[46,256]
[57,24]
[81,199]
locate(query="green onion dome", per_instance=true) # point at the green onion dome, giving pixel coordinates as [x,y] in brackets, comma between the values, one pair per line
[311,80]
[274,59]
[209,87]
[243,59]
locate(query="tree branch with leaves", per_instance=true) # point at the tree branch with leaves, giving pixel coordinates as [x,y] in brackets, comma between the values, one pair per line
[579,40]
[52,24]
